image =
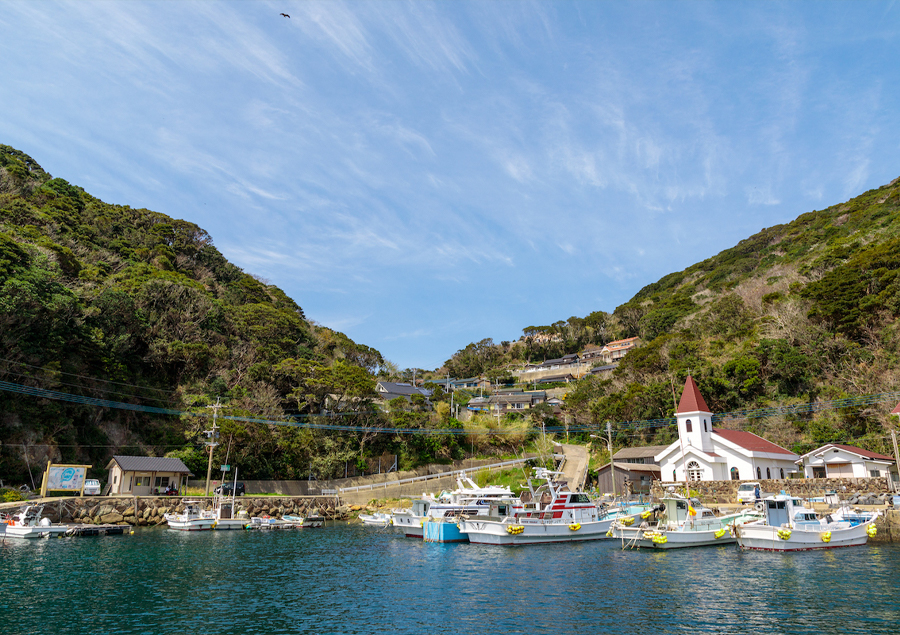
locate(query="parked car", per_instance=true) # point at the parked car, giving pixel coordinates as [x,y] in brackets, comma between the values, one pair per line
[746,492]
[225,488]
[91,487]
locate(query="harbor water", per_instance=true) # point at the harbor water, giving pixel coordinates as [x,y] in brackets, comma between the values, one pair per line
[355,579]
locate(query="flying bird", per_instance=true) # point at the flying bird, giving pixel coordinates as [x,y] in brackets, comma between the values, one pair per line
[285,15]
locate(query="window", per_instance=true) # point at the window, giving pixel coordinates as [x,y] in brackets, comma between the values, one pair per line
[704,426]
[875,473]
[735,475]
[768,474]
[674,476]
[687,425]
[694,471]
[142,481]
[782,474]
[758,474]
[161,481]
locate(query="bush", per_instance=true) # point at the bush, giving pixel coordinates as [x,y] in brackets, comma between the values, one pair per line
[11,495]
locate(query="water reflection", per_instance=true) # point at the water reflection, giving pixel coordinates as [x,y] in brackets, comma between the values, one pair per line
[352,579]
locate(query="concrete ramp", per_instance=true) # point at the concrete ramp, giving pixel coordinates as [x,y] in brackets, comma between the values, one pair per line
[575,466]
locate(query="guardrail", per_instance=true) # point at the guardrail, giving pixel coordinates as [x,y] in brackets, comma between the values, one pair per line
[429,477]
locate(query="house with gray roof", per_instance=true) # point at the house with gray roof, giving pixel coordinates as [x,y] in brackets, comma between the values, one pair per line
[145,475]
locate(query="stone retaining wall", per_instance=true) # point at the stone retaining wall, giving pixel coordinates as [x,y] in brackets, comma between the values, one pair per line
[726,491]
[146,511]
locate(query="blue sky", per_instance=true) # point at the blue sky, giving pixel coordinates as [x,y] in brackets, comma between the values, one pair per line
[424,175]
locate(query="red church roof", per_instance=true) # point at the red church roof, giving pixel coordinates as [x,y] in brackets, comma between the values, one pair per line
[750,441]
[691,399]
[896,411]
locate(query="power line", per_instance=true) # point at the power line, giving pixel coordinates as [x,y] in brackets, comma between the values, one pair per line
[105,381]
[621,425]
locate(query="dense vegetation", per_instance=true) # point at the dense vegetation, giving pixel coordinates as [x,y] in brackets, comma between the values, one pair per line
[129,305]
[797,314]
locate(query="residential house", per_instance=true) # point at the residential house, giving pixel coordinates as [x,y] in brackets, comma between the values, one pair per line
[388,390]
[703,453]
[835,460]
[614,351]
[145,475]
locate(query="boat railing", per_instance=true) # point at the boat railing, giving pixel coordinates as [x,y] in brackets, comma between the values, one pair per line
[430,477]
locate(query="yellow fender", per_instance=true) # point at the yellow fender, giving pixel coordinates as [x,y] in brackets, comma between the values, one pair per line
[660,540]
[826,536]
[575,526]
[871,530]
[784,534]
[645,515]
[720,533]
[609,534]
[628,521]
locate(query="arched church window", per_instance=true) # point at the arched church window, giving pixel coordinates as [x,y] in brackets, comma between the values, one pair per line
[758,474]
[694,471]
[704,426]
[735,475]
[768,474]
[687,425]
[782,474]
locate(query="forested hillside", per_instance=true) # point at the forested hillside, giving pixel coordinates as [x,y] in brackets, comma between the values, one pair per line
[129,305]
[800,313]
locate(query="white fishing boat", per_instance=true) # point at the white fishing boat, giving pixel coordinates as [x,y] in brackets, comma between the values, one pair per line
[468,499]
[378,519]
[548,513]
[305,522]
[226,518]
[790,526]
[28,523]
[678,522]
[193,518]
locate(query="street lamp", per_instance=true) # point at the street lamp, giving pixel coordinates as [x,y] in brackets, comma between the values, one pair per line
[612,466]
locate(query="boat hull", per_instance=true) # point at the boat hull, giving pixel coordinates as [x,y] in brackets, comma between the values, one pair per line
[440,531]
[35,531]
[644,538]
[765,538]
[194,524]
[226,524]
[532,532]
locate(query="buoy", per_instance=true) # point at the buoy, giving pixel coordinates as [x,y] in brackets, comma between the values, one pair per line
[871,530]
[609,534]
[784,534]
[826,537]
[720,533]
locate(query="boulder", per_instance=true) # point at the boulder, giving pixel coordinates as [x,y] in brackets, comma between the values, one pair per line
[111,518]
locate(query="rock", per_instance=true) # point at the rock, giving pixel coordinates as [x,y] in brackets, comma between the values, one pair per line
[112,518]
[129,511]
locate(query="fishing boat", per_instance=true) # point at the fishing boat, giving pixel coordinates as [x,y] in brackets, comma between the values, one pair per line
[193,518]
[468,499]
[378,519]
[28,523]
[548,513]
[305,522]
[789,525]
[678,522]
[226,517]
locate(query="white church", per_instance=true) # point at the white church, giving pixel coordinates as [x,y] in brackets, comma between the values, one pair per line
[704,453]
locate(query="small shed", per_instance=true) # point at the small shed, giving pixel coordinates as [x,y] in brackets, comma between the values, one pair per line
[638,475]
[145,475]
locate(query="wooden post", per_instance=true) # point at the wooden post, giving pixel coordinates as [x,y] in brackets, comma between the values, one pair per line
[44,481]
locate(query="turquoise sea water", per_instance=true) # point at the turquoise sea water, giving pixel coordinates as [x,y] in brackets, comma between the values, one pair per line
[355,579]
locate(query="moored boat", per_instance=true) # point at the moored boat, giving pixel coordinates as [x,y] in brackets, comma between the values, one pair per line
[678,522]
[377,519]
[193,518]
[790,526]
[28,523]
[548,513]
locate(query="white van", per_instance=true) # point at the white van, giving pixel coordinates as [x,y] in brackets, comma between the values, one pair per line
[745,493]
[91,487]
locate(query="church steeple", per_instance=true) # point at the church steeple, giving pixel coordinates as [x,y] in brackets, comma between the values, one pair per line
[694,418]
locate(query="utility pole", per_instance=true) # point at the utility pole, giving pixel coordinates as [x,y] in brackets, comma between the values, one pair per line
[896,456]
[612,466]
[212,435]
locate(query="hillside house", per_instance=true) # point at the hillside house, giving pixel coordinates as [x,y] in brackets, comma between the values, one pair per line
[636,467]
[614,351]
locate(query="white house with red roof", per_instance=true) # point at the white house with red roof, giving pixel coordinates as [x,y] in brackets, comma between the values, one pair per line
[704,453]
[835,460]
